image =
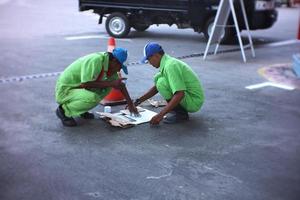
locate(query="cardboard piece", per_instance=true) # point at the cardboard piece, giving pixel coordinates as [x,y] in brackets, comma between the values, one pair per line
[124,119]
[115,120]
[157,103]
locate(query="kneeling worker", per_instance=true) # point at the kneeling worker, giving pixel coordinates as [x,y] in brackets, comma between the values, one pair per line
[176,82]
[85,82]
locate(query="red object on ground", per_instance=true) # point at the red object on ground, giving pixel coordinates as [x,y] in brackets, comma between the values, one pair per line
[111,44]
[114,95]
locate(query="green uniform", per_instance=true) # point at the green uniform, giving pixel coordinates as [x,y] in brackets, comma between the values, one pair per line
[174,75]
[85,69]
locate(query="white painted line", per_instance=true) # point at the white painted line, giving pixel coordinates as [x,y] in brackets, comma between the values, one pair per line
[256,86]
[282,43]
[86,37]
[266,84]
[285,87]
[16,2]
[88,12]
[2,2]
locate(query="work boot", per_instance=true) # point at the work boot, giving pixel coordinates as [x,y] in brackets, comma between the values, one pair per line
[66,121]
[178,114]
[87,115]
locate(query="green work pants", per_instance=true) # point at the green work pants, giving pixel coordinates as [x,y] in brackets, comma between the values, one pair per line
[189,102]
[77,101]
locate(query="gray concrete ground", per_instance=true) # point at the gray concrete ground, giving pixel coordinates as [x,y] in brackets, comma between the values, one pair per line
[243,144]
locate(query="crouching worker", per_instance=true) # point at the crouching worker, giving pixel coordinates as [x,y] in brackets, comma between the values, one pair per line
[175,82]
[85,82]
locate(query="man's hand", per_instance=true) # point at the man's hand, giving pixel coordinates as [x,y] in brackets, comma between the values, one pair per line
[118,84]
[156,119]
[132,109]
[137,102]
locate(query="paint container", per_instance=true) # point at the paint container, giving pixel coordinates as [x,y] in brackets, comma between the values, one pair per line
[107,109]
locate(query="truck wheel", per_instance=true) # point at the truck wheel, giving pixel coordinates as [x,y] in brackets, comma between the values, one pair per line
[117,25]
[140,28]
[227,36]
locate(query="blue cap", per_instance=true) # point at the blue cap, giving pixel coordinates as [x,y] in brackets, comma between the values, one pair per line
[121,55]
[150,49]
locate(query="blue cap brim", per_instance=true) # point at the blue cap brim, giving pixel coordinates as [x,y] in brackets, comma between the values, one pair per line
[144,60]
[125,70]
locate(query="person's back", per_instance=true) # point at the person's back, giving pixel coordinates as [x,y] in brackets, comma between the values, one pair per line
[189,77]
[84,69]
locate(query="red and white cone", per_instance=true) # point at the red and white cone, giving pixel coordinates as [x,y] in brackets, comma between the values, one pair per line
[111,44]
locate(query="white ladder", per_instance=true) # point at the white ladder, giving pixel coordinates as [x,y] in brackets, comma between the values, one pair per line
[219,25]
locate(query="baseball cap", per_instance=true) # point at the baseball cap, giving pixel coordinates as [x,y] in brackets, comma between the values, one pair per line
[121,55]
[150,49]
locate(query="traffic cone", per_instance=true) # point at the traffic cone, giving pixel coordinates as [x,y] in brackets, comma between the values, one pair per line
[111,44]
[115,97]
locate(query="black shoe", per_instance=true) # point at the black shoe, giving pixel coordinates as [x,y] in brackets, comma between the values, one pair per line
[180,110]
[175,117]
[66,121]
[87,115]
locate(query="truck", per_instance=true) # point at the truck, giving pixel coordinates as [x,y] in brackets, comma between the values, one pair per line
[122,15]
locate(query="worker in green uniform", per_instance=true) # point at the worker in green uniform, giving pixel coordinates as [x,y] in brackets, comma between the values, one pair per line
[176,82]
[85,82]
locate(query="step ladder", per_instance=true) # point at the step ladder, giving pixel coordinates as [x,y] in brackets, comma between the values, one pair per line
[219,25]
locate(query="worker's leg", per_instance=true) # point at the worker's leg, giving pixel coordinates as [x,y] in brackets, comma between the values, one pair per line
[79,101]
[178,113]
[191,103]
[163,88]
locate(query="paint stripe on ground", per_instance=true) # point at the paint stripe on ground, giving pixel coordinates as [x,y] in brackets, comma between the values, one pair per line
[28,77]
[2,2]
[269,84]
[86,37]
[281,43]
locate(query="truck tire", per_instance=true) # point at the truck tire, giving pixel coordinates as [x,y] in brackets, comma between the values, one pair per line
[227,36]
[117,25]
[140,28]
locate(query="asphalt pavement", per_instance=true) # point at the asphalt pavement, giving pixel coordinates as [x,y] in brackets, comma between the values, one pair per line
[243,144]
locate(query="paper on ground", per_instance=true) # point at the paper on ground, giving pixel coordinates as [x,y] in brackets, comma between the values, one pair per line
[145,116]
[123,117]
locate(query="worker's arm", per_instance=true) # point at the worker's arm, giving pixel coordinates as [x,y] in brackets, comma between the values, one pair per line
[102,84]
[153,91]
[118,84]
[131,107]
[178,96]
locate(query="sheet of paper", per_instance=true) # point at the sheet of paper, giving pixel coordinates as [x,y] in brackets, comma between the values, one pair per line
[126,112]
[145,116]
